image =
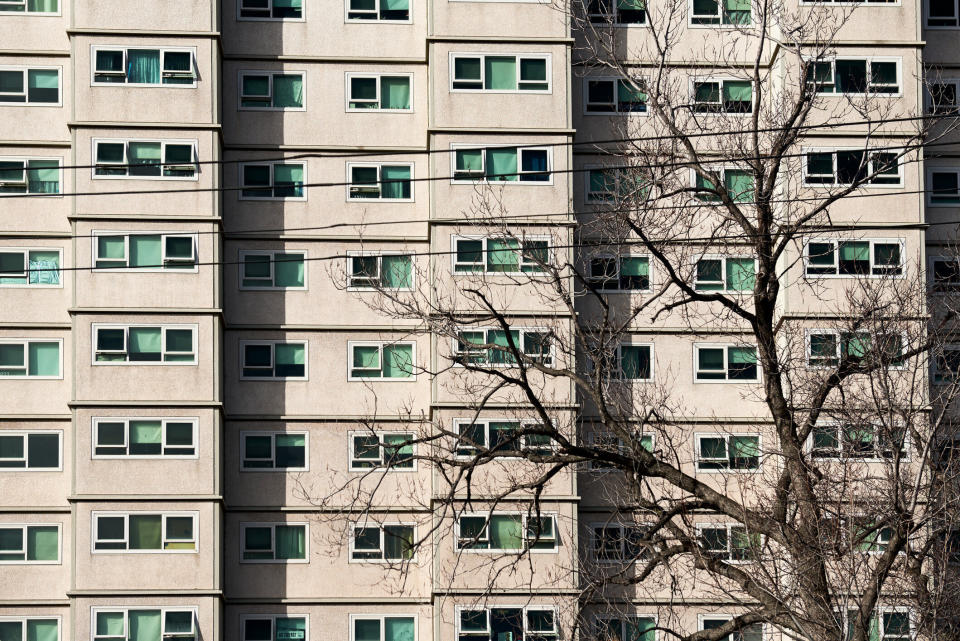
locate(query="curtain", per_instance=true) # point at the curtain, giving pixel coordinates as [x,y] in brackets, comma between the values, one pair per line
[506,532]
[288,181]
[745,446]
[739,184]
[291,541]
[627,93]
[366,356]
[145,251]
[366,630]
[737,91]
[635,266]
[395,5]
[292,629]
[288,90]
[500,72]
[857,251]
[394,92]
[144,344]
[743,355]
[740,274]
[146,532]
[290,450]
[43,177]
[44,6]
[147,156]
[110,624]
[43,543]
[41,630]
[738,11]
[502,255]
[502,164]
[288,270]
[499,338]
[395,182]
[44,268]
[289,359]
[43,85]
[398,629]
[635,361]
[112,248]
[873,625]
[397,271]
[857,345]
[143,66]
[400,448]
[470,160]
[634,5]
[44,359]
[145,437]
[397,361]
[144,625]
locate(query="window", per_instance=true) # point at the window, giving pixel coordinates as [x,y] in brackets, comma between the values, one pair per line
[22,267]
[272,270]
[620,273]
[944,188]
[943,13]
[740,452]
[891,625]
[509,164]
[271,9]
[492,347]
[738,184]
[33,86]
[29,175]
[726,363]
[144,624]
[849,1]
[30,6]
[854,76]
[482,435]
[752,632]
[381,361]
[143,532]
[507,532]
[619,12]
[379,10]
[151,252]
[145,437]
[607,442]
[866,534]
[945,273]
[29,451]
[504,255]
[271,451]
[612,183]
[30,628]
[828,348]
[143,67]
[944,97]
[379,271]
[947,365]
[634,362]
[615,95]
[370,181]
[849,167]
[29,543]
[385,542]
[500,73]
[275,628]
[725,274]
[498,623]
[140,344]
[30,358]
[858,441]
[723,96]
[854,258]
[729,542]
[274,542]
[274,360]
[378,92]
[273,91]
[722,12]
[381,450]
[382,628]
[618,543]
[145,159]
[272,181]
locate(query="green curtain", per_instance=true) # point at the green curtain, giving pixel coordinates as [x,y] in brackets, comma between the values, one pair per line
[737,91]
[739,184]
[858,251]
[145,437]
[144,343]
[395,181]
[646,442]
[500,72]
[43,85]
[873,625]
[366,356]
[44,267]
[366,630]
[144,625]
[743,355]
[394,92]
[290,359]
[641,629]
[395,5]
[291,628]
[503,255]
[289,177]
[626,93]
[113,248]
[290,450]
[398,629]
[633,5]
[397,361]
[288,270]
[740,274]
[401,448]
[45,6]
[145,251]
[635,361]
[41,630]
[288,90]
[44,359]
[502,164]
[500,339]
[146,532]
[143,66]
[290,541]
[109,624]
[745,446]
[469,160]
[634,266]
[506,532]
[397,271]
[146,155]
[43,543]
[857,345]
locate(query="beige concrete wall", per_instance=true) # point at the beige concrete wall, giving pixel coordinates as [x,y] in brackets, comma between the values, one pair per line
[499,20]
[25,582]
[32,213]
[22,303]
[38,121]
[208,610]
[38,32]
[43,486]
[332,619]
[38,395]
[193,15]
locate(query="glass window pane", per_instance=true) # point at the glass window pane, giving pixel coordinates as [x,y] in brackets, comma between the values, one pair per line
[398,629]
[178,622]
[394,92]
[44,359]
[291,629]
[145,532]
[110,624]
[144,344]
[145,251]
[43,543]
[43,85]
[397,361]
[501,73]
[290,359]
[366,630]
[41,630]
[144,625]
[288,91]
[291,450]
[43,450]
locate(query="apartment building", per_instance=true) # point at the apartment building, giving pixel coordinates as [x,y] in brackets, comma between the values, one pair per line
[193,355]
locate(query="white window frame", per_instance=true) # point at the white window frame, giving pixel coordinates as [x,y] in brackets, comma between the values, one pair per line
[605,17]
[836,257]
[26,90]
[271,164]
[164,420]
[302,18]
[870,169]
[548,361]
[726,356]
[164,259]
[728,617]
[723,273]
[622,539]
[270,73]
[839,427]
[376,12]
[26,11]
[941,170]
[381,345]
[616,90]
[520,147]
[454,238]
[618,258]
[722,172]
[352,461]
[273,344]
[506,606]
[726,437]
[23,619]
[720,80]
[379,167]
[525,516]
[194,327]
[869,60]
[379,254]
[126,514]
[729,526]
[379,527]
[164,50]
[273,541]
[878,613]
[26,261]
[26,451]
[126,160]
[720,24]
[350,75]
[273,622]
[94,610]
[273,451]
[26,357]
[548,57]
[272,253]
[24,527]
[458,423]
[840,335]
[26,159]
[926,14]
